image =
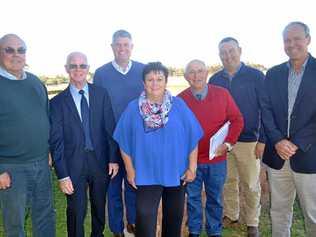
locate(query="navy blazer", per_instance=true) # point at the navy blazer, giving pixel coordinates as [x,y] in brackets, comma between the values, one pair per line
[303,118]
[67,135]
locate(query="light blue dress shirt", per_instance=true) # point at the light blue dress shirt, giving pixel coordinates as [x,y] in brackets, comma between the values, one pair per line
[9,76]
[74,91]
[120,69]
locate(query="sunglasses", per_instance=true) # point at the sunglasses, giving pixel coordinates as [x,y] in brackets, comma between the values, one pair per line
[75,66]
[10,50]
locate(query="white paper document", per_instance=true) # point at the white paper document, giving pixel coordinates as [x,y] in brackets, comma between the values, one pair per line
[218,139]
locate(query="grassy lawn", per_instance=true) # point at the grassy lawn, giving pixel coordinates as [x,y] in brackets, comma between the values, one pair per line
[265,223]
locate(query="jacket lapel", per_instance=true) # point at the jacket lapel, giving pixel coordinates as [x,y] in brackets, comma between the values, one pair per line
[307,79]
[282,87]
[72,107]
[92,108]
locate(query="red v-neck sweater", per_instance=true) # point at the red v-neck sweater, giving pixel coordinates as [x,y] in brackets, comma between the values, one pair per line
[212,112]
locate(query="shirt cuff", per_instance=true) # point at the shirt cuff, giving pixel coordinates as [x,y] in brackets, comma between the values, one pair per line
[63,179]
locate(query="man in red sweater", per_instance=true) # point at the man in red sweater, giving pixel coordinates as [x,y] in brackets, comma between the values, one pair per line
[213,106]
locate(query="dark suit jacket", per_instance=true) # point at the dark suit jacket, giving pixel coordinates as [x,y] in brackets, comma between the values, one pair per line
[67,135]
[303,117]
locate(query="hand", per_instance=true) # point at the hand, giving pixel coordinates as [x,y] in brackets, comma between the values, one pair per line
[285,149]
[131,177]
[188,176]
[221,150]
[259,150]
[5,180]
[66,187]
[113,169]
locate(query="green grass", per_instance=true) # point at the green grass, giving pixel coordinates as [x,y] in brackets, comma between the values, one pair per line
[265,223]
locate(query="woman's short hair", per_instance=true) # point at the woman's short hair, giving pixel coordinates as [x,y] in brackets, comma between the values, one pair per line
[155,67]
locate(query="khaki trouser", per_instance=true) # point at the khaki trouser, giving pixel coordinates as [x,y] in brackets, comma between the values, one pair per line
[243,168]
[284,184]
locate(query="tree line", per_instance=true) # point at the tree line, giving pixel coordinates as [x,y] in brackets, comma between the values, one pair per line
[173,72]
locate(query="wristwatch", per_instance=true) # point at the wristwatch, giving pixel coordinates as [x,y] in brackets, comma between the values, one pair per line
[229,146]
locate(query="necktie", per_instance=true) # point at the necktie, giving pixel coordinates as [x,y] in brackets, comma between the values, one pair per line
[199,96]
[85,117]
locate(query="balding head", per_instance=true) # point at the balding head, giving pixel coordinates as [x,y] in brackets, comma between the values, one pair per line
[77,68]
[76,55]
[12,54]
[194,61]
[292,24]
[9,37]
[196,74]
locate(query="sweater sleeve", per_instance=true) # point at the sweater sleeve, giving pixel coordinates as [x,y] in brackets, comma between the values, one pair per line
[109,127]
[97,78]
[123,132]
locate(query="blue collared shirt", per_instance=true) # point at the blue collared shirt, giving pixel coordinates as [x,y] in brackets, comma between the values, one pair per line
[120,69]
[294,82]
[77,97]
[9,76]
[200,95]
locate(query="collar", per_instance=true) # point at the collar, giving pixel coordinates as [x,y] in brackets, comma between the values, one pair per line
[10,76]
[120,69]
[201,94]
[75,90]
[227,75]
[289,65]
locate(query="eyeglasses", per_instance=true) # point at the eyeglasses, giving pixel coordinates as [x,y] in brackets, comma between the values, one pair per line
[10,50]
[198,72]
[80,66]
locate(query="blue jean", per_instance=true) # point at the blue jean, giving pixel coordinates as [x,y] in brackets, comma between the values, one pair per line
[213,176]
[31,187]
[115,202]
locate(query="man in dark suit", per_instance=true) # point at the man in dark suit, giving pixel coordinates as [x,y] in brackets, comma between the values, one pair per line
[289,117]
[82,148]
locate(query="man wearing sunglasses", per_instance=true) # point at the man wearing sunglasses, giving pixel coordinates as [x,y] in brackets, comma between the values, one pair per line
[82,147]
[25,176]
[122,78]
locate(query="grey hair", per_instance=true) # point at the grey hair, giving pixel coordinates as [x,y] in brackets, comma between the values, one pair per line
[7,37]
[198,61]
[121,34]
[72,54]
[297,23]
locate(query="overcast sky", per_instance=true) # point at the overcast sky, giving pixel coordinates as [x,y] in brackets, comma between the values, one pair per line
[171,31]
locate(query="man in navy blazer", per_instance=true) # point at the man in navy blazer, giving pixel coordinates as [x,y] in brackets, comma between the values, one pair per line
[82,148]
[289,117]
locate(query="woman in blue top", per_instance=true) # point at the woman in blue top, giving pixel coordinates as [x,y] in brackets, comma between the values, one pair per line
[158,137]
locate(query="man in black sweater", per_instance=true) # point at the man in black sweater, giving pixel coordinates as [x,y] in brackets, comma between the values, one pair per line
[25,177]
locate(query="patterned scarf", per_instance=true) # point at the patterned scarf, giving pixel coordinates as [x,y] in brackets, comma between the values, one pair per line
[154,115]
